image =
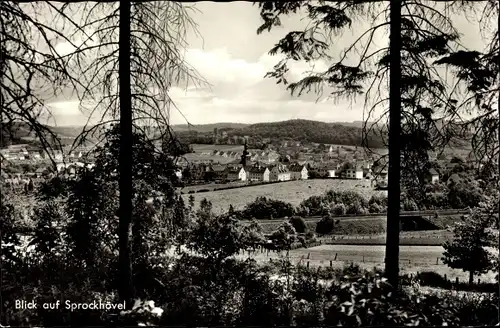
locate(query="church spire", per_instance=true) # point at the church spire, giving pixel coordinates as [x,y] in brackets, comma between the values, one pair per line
[244,157]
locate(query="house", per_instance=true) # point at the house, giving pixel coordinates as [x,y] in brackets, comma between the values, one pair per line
[353,172]
[220,172]
[258,173]
[332,171]
[237,174]
[298,172]
[432,176]
[280,173]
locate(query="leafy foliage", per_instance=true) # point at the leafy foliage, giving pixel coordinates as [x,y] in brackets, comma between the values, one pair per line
[214,237]
[284,237]
[298,224]
[265,208]
[326,225]
[468,250]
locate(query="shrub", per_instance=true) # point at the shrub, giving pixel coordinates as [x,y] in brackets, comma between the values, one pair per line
[339,209]
[325,226]
[310,235]
[409,205]
[314,205]
[299,224]
[375,208]
[264,208]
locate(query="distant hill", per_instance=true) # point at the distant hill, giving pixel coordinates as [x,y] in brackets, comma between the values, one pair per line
[20,133]
[312,131]
[356,124]
[207,127]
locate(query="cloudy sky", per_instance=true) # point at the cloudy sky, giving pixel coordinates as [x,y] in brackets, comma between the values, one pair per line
[234,59]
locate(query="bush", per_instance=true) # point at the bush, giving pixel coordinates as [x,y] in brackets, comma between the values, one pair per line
[325,226]
[339,209]
[409,205]
[263,208]
[299,224]
[375,208]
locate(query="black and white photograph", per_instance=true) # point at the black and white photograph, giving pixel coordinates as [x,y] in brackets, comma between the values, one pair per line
[254,164]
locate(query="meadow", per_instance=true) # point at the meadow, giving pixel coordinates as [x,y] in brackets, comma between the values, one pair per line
[215,159]
[293,192]
[198,148]
[413,259]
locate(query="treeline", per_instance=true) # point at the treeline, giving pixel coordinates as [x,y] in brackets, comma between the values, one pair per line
[312,131]
[459,195]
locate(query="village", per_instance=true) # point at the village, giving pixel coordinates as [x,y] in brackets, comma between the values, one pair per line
[24,164]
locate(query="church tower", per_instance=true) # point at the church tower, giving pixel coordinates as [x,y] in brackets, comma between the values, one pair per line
[245,158]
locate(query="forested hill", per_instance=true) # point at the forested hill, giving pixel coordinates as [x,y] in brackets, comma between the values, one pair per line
[310,131]
[207,127]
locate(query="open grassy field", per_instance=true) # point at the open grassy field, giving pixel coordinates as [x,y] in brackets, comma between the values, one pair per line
[293,192]
[413,259]
[212,186]
[216,159]
[198,148]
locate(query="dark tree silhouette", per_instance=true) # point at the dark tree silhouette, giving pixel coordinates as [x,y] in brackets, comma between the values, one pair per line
[29,62]
[126,290]
[426,33]
[477,73]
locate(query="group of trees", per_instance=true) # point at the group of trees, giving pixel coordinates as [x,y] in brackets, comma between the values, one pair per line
[263,208]
[138,45]
[461,195]
[421,38]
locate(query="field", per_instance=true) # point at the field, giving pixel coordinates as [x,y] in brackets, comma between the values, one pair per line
[198,148]
[212,186]
[215,159]
[413,259]
[293,192]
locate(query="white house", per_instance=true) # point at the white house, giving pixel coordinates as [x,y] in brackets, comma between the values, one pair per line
[280,173]
[258,173]
[354,173]
[237,174]
[331,172]
[298,172]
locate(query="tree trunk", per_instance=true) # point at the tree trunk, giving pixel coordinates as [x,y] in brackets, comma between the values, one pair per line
[392,243]
[126,289]
[471,277]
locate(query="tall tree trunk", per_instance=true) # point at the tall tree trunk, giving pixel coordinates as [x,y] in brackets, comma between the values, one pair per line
[392,243]
[126,289]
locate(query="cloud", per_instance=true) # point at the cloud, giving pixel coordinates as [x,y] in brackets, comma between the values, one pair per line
[240,93]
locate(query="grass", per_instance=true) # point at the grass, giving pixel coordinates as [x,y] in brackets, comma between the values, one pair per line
[212,186]
[215,159]
[412,259]
[198,148]
[415,238]
[293,192]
